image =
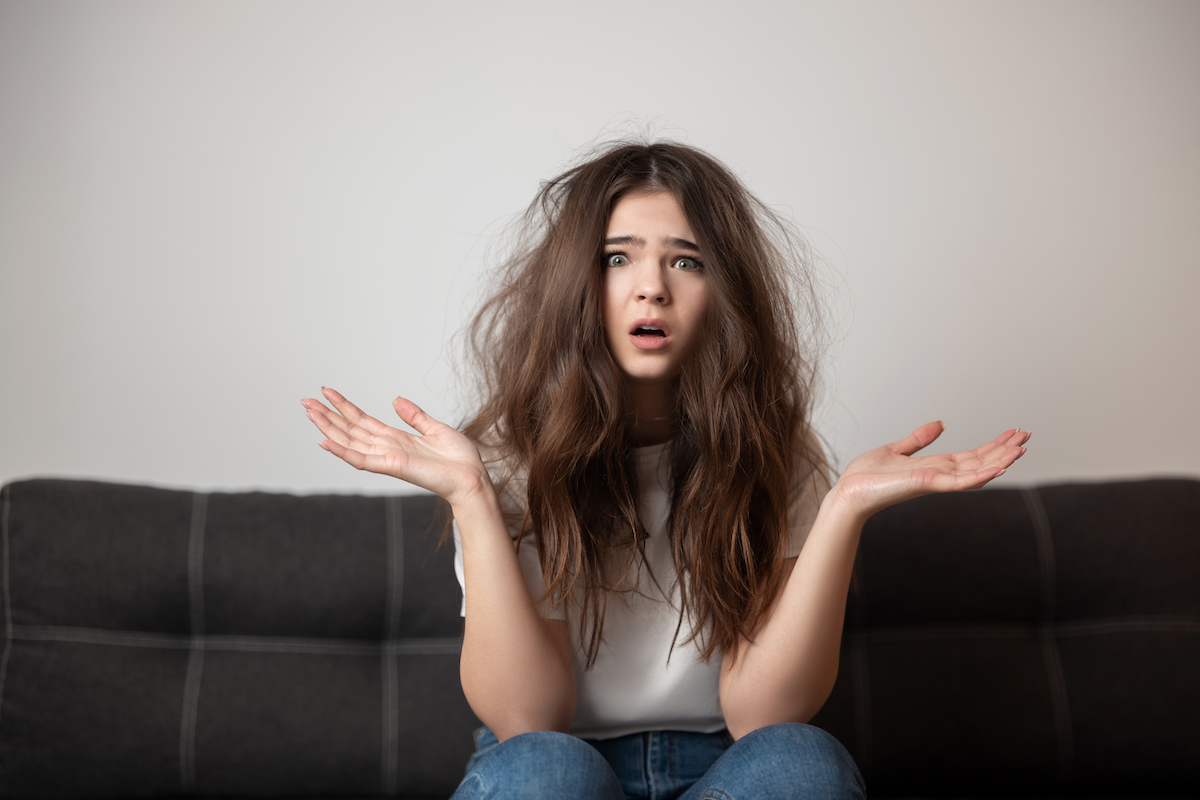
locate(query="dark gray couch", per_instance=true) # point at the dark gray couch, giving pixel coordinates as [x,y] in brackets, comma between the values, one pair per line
[1040,642]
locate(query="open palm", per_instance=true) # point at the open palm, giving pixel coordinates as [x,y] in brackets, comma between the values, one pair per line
[891,474]
[437,457]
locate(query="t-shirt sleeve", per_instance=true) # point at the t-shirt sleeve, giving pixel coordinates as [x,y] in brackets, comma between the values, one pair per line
[531,566]
[810,484]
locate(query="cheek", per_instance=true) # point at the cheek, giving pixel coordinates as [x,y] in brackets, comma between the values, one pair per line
[697,301]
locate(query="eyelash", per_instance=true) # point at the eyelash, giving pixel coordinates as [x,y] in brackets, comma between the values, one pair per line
[699,265]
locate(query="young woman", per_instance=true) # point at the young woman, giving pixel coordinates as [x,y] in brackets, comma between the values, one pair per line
[670,615]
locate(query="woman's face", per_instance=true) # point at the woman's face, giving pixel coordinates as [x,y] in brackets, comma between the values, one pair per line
[655,287]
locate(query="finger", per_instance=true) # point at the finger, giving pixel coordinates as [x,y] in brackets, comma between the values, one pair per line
[1013,437]
[999,441]
[918,439]
[323,419]
[412,414]
[1000,458]
[328,414]
[353,414]
[1005,457]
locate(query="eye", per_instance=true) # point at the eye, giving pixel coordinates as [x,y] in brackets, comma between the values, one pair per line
[616,260]
[687,264]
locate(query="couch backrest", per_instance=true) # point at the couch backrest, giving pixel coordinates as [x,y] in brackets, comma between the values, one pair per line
[164,642]
[1041,641]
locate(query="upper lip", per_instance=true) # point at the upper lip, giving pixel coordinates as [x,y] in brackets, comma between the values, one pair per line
[648,322]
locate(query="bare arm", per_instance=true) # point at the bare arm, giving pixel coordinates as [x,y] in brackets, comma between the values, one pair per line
[786,673]
[515,667]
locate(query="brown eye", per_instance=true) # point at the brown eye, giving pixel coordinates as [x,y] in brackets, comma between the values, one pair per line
[615,260]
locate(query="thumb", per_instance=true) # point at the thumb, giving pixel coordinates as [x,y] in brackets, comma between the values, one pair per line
[919,439]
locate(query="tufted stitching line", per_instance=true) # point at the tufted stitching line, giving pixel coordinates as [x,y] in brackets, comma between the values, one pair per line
[1163,624]
[1054,673]
[195,664]
[394,536]
[195,565]
[8,624]
[862,702]
[862,692]
[908,633]
[430,646]
[448,645]
[395,555]
[187,722]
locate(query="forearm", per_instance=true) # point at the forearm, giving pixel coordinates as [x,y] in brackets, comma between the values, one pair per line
[788,670]
[515,675]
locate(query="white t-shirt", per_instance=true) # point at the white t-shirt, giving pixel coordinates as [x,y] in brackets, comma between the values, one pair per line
[633,686]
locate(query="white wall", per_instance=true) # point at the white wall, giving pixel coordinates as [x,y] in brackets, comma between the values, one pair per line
[207,210]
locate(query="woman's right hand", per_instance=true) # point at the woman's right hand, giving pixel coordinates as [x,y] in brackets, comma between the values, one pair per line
[439,459]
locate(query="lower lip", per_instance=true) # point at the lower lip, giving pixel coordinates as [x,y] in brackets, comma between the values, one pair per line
[650,342]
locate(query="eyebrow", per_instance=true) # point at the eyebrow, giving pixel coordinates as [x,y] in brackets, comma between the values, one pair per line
[668,241]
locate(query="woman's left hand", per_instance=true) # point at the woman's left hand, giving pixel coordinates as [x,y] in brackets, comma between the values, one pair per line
[891,474]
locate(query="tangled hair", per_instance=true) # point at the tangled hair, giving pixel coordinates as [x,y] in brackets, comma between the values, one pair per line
[553,402]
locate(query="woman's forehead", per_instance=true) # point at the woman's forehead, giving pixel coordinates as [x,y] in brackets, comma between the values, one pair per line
[649,216]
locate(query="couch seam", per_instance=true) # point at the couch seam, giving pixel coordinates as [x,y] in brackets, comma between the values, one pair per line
[1130,624]
[8,623]
[862,697]
[395,545]
[1060,706]
[394,538]
[252,643]
[187,723]
[444,645]
[196,643]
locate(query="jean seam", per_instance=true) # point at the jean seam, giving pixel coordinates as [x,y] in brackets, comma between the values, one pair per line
[672,761]
[648,765]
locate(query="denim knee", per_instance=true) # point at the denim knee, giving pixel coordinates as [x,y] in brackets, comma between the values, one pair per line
[782,762]
[536,765]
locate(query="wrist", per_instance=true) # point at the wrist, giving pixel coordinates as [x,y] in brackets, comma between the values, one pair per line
[845,503]
[475,495]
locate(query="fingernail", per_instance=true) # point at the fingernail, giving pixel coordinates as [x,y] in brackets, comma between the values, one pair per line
[323,446]
[1001,472]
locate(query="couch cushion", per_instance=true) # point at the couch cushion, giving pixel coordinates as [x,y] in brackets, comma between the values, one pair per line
[1038,641]
[162,642]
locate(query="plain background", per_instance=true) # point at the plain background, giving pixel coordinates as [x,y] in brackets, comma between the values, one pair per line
[210,209]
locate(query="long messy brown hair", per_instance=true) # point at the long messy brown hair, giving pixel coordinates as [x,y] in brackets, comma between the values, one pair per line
[553,408]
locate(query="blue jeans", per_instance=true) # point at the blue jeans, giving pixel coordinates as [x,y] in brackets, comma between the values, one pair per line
[779,762]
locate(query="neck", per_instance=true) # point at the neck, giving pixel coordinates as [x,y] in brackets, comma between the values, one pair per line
[653,408]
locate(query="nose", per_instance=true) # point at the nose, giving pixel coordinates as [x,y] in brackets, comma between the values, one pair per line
[652,284]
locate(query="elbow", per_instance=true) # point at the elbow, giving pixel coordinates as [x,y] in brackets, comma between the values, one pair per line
[511,711]
[750,714]
[514,724]
[742,724]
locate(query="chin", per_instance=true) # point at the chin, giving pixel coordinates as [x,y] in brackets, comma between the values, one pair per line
[649,377]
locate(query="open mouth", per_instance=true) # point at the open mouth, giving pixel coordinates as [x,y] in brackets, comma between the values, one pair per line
[649,330]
